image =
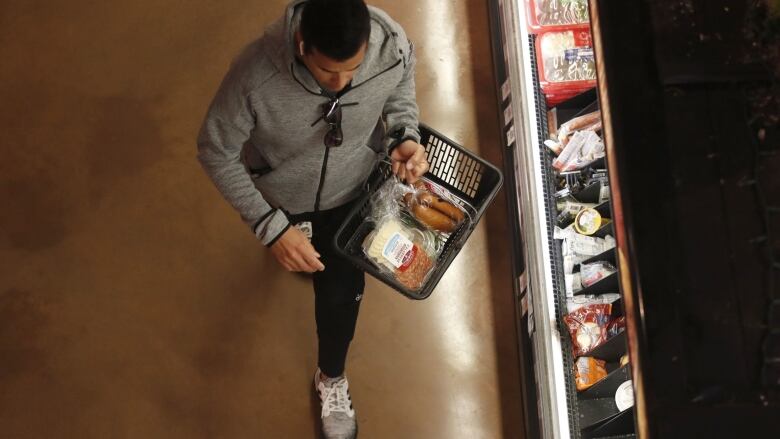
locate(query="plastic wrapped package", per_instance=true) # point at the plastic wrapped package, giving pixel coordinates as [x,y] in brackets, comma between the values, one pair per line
[594,272]
[555,14]
[434,207]
[577,302]
[561,136]
[584,148]
[413,223]
[588,371]
[588,327]
[401,251]
[616,326]
[566,63]
[398,245]
[573,283]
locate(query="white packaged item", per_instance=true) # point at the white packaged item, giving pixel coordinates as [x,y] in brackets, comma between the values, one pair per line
[624,397]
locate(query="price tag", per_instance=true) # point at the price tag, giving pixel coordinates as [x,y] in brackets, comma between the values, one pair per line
[508,114]
[511,136]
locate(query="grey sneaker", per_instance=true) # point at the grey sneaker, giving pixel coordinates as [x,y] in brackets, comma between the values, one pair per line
[338,416]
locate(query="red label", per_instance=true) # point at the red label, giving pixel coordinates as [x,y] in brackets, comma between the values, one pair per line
[408,258]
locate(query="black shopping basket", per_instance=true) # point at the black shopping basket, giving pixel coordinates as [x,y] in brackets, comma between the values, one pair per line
[453,167]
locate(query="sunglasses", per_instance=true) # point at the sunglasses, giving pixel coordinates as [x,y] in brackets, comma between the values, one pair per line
[331,113]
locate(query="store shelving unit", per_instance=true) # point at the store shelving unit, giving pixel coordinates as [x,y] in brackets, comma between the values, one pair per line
[560,410]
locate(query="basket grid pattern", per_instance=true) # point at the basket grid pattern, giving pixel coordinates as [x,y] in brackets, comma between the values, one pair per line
[453,167]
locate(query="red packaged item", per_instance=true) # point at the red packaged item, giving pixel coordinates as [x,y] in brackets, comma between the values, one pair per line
[566,63]
[556,14]
[616,327]
[588,326]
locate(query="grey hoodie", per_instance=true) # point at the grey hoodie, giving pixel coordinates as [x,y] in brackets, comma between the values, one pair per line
[260,144]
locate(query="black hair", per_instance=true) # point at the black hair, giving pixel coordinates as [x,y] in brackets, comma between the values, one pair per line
[336,28]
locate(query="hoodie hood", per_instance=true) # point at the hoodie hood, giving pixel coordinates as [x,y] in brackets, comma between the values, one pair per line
[387,47]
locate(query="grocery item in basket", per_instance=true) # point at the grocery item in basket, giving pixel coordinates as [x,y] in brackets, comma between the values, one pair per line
[594,272]
[588,371]
[624,396]
[567,56]
[559,12]
[433,211]
[584,148]
[401,251]
[588,326]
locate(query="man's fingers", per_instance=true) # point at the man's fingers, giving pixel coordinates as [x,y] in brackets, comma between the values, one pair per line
[315,263]
[396,166]
[421,169]
[302,264]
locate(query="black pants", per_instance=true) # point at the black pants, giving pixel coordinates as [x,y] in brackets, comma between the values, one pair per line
[337,291]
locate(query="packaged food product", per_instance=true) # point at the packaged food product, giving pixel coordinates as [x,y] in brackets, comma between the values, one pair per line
[566,62]
[588,326]
[584,148]
[554,14]
[399,250]
[560,137]
[617,326]
[573,283]
[577,302]
[399,245]
[594,272]
[624,396]
[623,360]
[577,248]
[588,371]
[433,211]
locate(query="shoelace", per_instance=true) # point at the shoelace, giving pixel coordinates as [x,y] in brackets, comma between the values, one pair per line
[336,399]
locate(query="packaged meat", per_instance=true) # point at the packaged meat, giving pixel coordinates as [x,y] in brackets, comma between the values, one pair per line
[588,371]
[566,62]
[577,302]
[616,326]
[594,272]
[555,14]
[584,148]
[434,211]
[400,250]
[588,326]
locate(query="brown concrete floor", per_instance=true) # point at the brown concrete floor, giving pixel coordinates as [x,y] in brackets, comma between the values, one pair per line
[133,301]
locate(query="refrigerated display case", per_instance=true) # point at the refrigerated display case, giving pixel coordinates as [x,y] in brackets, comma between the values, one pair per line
[673,82]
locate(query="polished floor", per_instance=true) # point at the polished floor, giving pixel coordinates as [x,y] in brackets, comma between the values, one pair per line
[133,301]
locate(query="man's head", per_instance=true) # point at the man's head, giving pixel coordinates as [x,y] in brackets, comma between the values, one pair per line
[332,40]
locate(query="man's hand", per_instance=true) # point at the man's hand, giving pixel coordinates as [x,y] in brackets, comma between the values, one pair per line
[294,251]
[409,162]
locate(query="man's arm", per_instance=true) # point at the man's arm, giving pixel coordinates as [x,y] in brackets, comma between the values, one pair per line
[227,126]
[400,109]
[401,115]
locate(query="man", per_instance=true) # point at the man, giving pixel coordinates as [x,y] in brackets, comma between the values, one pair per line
[298,124]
